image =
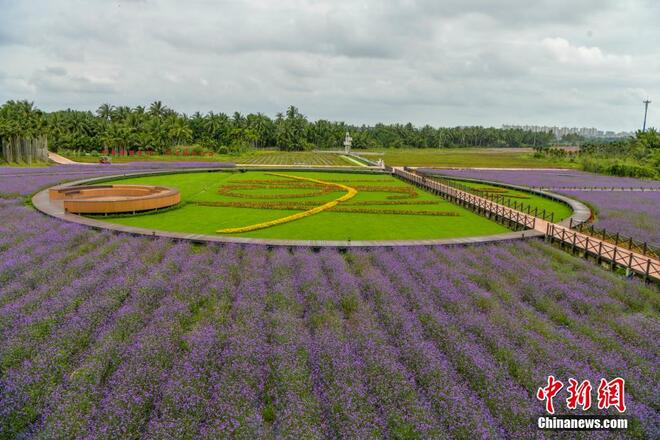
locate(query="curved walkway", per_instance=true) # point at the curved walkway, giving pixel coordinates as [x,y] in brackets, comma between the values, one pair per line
[63,160]
[604,250]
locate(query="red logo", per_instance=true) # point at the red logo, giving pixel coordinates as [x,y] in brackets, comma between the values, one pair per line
[549,392]
[610,394]
[578,395]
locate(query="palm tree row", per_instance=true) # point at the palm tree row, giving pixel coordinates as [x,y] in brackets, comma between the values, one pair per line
[160,128]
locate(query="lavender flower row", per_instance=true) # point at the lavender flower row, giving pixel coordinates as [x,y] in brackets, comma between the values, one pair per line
[550,178]
[635,215]
[25,181]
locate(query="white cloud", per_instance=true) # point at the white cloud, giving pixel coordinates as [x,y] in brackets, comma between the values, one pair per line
[454,62]
[566,53]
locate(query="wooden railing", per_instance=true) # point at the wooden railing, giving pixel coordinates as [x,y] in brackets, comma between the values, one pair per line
[500,199]
[640,247]
[495,211]
[602,250]
[609,253]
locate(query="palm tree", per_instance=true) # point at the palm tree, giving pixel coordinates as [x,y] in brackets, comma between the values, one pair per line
[180,132]
[156,135]
[157,109]
[105,111]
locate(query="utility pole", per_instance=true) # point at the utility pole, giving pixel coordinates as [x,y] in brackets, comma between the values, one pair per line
[646,102]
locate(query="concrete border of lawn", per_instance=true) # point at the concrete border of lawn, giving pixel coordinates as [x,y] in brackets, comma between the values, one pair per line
[42,202]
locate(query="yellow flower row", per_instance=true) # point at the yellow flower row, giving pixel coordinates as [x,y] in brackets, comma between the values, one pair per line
[350,193]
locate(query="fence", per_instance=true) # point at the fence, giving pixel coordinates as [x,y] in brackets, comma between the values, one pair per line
[18,149]
[498,198]
[511,217]
[603,251]
[610,253]
[618,240]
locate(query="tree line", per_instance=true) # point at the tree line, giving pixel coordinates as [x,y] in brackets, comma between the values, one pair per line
[159,128]
[637,156]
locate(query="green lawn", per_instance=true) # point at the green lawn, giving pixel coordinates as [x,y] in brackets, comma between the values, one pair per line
[560,210]
[22,164]
[414,217]
[465,158]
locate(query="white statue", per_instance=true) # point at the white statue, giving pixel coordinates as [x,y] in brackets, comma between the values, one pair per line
[348,141]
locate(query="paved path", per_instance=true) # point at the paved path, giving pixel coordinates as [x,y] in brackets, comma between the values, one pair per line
[63,160]
[618,255]
[270,165]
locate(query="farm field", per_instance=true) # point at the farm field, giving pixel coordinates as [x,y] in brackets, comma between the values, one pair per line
[298,158]
[442,157]
[384,208]
[83,158]
[133,337]
[25,181]
[251,157]
[329,220]
[464,158]
[140,337]
[555,179]
[630,214]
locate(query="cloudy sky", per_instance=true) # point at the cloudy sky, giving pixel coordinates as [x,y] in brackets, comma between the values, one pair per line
[441,62]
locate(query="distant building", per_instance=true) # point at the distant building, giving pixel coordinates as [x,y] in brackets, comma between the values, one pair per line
[559,132]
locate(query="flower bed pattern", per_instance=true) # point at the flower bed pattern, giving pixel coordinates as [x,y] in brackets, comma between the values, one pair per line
[396,195]
[350,193]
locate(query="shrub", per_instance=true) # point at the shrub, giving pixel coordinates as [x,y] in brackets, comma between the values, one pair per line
[630,170]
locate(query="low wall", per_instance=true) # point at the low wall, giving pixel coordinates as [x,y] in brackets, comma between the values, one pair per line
[113,199]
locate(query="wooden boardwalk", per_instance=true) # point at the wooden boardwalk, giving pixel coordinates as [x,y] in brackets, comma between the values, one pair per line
[604,251]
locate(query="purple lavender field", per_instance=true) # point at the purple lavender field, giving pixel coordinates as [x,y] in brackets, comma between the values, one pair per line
[25,181]
[551,178]
[633,214]
[107,335]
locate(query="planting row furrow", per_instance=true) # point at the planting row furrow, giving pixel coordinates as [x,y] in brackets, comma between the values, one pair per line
[433,370]
[391,386]
[237,399]
[73,403]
